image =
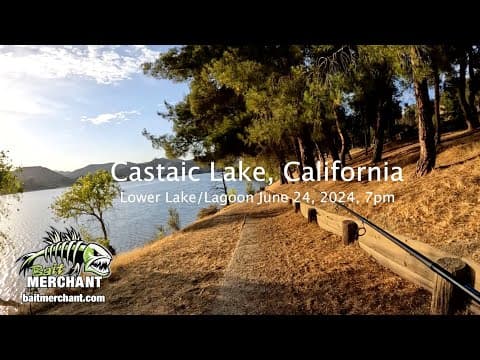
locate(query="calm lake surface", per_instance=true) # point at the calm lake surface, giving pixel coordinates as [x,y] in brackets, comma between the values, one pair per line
[129,224]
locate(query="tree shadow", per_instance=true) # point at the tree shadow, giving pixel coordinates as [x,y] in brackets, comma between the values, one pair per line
[460,162]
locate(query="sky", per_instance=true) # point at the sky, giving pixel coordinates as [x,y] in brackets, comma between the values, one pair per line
[64,107]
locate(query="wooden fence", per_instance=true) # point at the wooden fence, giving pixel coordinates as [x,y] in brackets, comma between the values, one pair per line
[389,254]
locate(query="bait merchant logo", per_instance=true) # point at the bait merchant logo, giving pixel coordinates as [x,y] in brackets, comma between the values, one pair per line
[66,249]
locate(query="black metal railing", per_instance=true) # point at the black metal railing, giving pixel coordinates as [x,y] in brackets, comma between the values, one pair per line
[469,290]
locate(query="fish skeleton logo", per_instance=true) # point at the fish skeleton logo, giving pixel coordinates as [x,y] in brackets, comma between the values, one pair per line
[69,248]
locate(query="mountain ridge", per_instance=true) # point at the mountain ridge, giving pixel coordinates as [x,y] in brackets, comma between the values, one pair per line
[41,178]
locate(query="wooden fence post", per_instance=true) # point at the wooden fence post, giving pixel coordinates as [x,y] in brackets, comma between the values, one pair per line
[446,298]
[312,215]
[350,231]
[297,206]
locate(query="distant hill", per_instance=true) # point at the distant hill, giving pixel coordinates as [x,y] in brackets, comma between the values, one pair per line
[39,178]
[125,170]
[87,169]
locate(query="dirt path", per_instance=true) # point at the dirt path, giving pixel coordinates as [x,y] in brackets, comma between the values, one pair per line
[237,294]
[282,265]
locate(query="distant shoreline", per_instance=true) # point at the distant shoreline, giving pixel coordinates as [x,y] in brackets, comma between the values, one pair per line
[67,186]
[36,178]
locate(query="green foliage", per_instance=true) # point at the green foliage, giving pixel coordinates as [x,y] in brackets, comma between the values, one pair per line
[180,64]
[173,221]
[213,122]
[90,195]
[232,192]
[206,211]
[161,231]
[87,237]
[450,104]
[9,183]
[280,102]
[409,116]
[249,188]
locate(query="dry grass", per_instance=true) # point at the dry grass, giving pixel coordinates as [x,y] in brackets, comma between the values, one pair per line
[290,267]
[286,266]
[178,274]
[441,208]
[298,269]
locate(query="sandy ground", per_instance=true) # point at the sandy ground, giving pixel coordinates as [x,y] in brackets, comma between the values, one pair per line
[250,259]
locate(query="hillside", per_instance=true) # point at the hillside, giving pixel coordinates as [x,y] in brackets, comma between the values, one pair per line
[265,259]
[40,178]
[125,170]
[86,169]
[440,209]
[249,259]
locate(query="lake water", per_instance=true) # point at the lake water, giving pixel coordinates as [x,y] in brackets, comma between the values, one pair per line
[129,225]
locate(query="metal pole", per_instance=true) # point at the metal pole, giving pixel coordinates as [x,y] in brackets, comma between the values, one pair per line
[473,293]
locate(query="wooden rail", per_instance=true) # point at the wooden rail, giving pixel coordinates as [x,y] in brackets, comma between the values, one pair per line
[390,255]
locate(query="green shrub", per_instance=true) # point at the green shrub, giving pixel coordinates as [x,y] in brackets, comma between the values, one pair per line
[232,191]
[87,237]
[161,231]
[249,188]
[173,221]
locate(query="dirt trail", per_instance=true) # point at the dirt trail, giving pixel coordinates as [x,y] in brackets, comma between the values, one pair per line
[282,265]
[235,294]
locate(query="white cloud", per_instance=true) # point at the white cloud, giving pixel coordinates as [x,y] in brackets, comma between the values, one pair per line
[19,102]
[111,117]
[103,64]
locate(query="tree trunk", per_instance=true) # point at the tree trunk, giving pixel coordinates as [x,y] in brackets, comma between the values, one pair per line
[283,180]
[296,146]
[341,133]
[225,188]
[301,150]
[379,137]
[470,120]
[104,228]
[307,150]
[366,134]
[332,149]
[426,131]
[472,90]
[319,155]
[436,85]
[329,143]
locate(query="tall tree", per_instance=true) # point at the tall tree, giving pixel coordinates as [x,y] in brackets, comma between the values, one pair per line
[413,63]
[439,63]
[375,96]
[426,131]
[466,58]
